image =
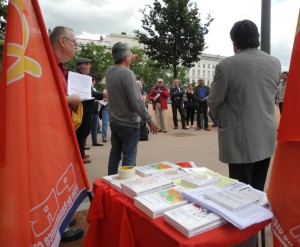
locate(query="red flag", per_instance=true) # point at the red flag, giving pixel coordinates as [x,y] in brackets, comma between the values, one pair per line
[42,178]
[284,187]
[289,129]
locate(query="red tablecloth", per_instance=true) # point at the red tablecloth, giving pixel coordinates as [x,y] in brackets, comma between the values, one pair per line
[114,221]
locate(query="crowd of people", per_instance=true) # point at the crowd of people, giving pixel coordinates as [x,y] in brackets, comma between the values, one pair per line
[240,104]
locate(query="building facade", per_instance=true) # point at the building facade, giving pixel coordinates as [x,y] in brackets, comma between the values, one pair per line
[204,69]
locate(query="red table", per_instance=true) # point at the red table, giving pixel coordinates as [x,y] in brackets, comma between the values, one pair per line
[114,221]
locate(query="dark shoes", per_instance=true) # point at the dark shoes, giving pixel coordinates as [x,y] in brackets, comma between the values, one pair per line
[86,160]
[198,128]
[185,128]
[175,127]
[72,234]
[214,125]
[97,144]
[72,222]
[144,139]
[207,129]
[87,148]
[104,140]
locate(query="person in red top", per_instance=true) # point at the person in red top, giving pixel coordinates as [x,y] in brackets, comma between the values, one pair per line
[64,46]
[159,97]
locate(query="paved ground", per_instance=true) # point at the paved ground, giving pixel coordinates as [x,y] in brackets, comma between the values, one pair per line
[174,146]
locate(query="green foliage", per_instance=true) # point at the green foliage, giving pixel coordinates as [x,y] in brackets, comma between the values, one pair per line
[175,36]
[101,60]
[3,14]
[150,71]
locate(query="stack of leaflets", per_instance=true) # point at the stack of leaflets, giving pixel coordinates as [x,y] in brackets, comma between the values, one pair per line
[154,168]
[200,179]
[231,198]
[173,174]
[154,204]
[145,185]
[240,211]
[115,181]
[222,182]
[192,219]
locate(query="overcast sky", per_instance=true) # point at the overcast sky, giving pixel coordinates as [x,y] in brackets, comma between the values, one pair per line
[92,18]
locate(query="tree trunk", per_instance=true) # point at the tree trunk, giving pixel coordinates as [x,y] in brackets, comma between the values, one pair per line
[175,71]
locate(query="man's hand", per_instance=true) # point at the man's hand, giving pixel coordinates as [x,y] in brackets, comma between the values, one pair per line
[135,57]
[73,101]
[153,127]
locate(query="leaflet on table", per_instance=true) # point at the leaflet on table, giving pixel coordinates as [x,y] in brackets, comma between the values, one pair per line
[79,84]
[173,173]
[192,219]
[241,218]
[200,179]
[155,168]
[115,181]
[231,199]
[249,191]
[154,204]
[223,179]
[145,185]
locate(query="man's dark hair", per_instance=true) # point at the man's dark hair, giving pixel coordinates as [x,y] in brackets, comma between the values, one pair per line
[244,34]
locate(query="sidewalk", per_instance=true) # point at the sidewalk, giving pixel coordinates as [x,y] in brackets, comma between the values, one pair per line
[177,145]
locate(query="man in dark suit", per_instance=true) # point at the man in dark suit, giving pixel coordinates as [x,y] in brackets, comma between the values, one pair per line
[201,93]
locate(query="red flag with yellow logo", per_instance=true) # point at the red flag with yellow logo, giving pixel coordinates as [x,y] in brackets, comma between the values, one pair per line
[42,179]
[284,186]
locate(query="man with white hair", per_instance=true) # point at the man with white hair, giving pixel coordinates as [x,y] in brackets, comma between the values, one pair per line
[64,46]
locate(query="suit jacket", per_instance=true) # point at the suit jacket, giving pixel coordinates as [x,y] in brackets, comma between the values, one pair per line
[242,98]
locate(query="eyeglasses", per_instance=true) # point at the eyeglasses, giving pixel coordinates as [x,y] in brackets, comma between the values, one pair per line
[74,41]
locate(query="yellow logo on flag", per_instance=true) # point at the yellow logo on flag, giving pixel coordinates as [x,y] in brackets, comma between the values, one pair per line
[23,64]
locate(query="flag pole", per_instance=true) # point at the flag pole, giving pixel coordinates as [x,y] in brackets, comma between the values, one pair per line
[53,65]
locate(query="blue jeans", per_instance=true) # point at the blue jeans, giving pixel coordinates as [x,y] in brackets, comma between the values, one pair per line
[94,126]
[105,120]
[124,141]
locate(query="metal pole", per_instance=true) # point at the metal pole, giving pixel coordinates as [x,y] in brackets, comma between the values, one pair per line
[265,25]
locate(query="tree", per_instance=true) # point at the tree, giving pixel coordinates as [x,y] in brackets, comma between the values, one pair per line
[175,34]
[3,14]
[101,60]
[150,70]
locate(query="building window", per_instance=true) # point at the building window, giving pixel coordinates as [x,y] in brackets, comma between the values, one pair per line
[208,66]
[198,74]
[213,66]
[203,73]
[203,65]
[208,73]
[198,64]
[193,73]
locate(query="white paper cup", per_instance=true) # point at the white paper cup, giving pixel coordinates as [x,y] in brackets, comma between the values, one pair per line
[126,172]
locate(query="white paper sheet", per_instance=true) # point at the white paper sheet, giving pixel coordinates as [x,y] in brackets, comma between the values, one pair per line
[79,84]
